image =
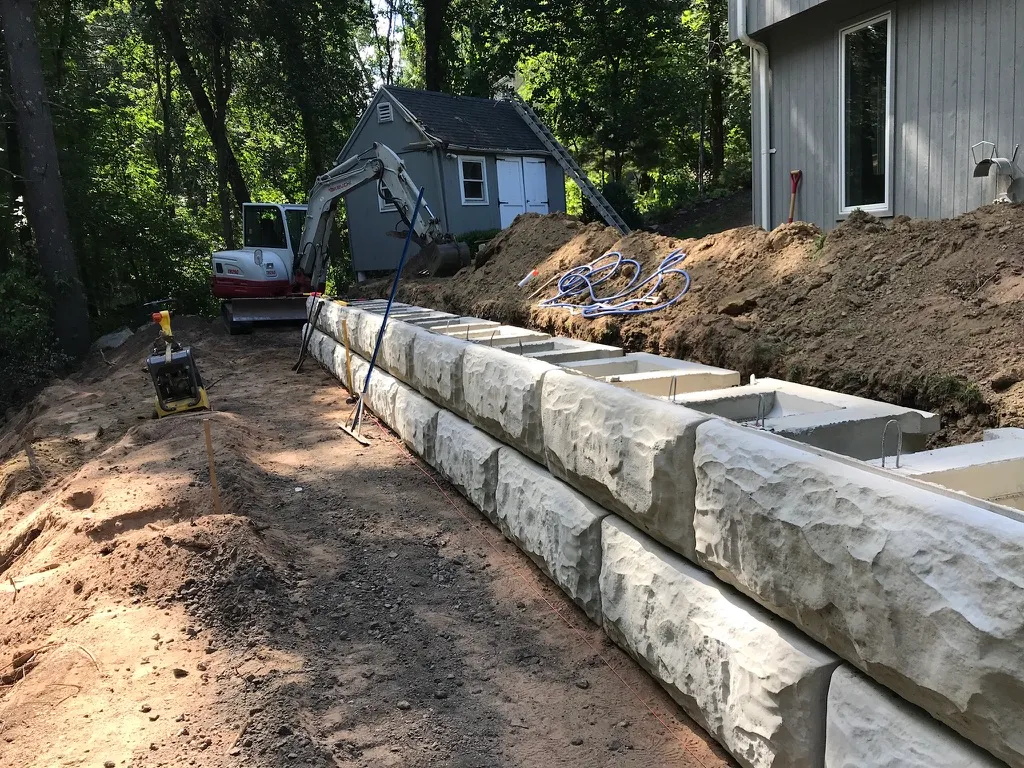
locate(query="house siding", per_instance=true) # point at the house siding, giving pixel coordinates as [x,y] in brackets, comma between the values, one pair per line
[763,13]
[956,83]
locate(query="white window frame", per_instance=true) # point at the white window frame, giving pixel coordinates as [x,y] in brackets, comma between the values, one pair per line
[381,205]
[884,208]
[382,107]
[462,180]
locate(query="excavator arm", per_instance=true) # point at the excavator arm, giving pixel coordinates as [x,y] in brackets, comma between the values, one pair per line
[394,185]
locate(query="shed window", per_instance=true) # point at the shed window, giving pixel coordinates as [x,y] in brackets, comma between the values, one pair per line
[866,115]
[385,202]
[385,113]
[473,177]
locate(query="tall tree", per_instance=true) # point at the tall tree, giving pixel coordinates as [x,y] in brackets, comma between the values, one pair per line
[213,113]
[436,36]
[44,193]
[717,42]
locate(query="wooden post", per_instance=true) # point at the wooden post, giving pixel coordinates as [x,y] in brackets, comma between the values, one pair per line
[213,472]
[348,356]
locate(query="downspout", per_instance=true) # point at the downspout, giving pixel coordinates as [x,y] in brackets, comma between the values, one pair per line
[439,174]
[759,57]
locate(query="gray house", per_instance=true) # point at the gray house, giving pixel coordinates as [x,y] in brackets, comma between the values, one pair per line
[909,107]
[479,162]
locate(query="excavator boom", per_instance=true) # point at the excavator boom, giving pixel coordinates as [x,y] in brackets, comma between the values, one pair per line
[278,266]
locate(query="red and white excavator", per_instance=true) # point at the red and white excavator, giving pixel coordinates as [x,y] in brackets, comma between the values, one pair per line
[285,249]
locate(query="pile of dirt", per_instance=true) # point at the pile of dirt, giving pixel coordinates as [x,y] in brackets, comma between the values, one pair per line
[922,313]
[342,607]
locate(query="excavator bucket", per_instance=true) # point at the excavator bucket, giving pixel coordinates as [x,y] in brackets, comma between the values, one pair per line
[439,260]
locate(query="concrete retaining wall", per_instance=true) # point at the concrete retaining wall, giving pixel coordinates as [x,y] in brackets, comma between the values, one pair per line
[923,591]
[748,678]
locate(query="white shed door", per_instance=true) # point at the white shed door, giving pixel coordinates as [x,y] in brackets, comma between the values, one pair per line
[511,195]
[535,182]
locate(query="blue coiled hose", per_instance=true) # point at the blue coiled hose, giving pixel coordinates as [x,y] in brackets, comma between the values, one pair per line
[638,298]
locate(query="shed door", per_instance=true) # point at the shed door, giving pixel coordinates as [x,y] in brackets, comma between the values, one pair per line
[511,195]
[535,182]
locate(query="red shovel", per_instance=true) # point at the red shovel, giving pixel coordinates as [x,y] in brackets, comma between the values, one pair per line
[795,177]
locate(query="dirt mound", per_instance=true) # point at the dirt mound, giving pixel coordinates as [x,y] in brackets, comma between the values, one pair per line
[922,313]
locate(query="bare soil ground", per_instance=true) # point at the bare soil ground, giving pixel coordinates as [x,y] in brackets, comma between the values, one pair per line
[345,608]
[921,313]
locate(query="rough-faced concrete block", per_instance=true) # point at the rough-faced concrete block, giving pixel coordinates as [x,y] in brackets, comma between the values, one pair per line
[468,458]
[870,727]
[380,396]
[396,354]
[416,423]
[557,527]
[923,592]
[629,453]
[503,396]
[332,317]
[367,328]
[437,370]
[752,681]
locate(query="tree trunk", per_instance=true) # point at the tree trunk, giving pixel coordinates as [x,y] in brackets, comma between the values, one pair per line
[716,84]
[216,129]
[221,65]
[44,193]
[434,26]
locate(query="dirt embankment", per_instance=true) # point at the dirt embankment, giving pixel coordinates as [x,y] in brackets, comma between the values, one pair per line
[339,610]
[922,313]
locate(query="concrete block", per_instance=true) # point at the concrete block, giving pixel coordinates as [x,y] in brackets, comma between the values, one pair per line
[331,318]
[869,727]
[503,396]
[367,328]
[416,423]
[921,590]
[396,354]
[380,397]
[557,527]
[559,351]
[468,458]
[657,376]
[752,681]
[629,453]
[844,424]
[437,370]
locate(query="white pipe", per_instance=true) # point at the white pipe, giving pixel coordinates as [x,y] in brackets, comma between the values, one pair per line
[759,58]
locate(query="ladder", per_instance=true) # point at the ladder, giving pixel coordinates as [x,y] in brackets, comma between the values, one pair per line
[572,170]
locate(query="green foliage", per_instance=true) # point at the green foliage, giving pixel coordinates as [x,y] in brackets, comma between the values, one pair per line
[27,356]
[476,239]
[621,199]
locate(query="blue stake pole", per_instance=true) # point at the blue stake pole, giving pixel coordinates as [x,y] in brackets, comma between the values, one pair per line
[387,311]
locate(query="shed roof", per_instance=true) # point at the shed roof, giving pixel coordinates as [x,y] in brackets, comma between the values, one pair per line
[469,122]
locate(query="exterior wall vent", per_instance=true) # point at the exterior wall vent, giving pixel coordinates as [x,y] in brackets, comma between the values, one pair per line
[385,113]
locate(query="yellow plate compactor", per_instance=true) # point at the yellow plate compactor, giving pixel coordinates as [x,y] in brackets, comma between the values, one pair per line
[179,386]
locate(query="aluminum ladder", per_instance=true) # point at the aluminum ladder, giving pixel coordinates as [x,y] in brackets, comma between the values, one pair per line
[572,170]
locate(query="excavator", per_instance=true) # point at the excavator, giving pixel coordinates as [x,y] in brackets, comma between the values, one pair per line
[285,249]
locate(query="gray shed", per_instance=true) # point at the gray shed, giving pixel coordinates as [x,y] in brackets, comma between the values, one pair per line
[479,162]
[895,108]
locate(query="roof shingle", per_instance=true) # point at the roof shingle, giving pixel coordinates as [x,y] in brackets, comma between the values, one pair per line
[469,121]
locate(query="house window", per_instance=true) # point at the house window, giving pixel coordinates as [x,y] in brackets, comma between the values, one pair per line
[866,115]
[385,113]
[473,177]
[383,198]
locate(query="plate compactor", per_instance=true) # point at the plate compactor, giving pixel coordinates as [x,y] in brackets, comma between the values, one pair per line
[179,386]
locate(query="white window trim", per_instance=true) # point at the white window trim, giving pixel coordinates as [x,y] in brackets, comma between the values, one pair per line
[462,179]
[885,208]
[381,205]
